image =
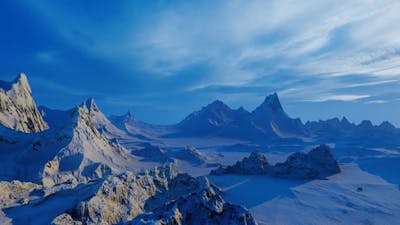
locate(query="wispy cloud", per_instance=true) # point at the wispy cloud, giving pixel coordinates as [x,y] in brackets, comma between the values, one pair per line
[314,51]
[337,98]
[376,102]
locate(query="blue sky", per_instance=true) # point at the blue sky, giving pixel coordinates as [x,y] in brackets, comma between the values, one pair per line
[164,59]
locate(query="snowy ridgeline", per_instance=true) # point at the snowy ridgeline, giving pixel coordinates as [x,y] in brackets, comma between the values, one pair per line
[316,164]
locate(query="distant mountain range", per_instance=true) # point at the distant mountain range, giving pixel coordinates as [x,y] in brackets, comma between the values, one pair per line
[266,123]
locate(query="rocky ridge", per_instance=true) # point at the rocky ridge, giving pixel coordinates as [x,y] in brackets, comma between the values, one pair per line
[18,110]
[316,164]
[158,196]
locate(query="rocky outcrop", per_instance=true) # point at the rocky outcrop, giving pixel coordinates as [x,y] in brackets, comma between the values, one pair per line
[18,110]
[65,219]
[121,198]
[316,164]
[256,163]
[159,196]
[203,206]
[17,193]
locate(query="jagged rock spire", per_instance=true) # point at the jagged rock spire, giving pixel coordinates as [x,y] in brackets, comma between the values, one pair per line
[18,110]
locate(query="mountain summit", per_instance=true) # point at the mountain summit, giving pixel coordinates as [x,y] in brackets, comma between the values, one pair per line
[272,102]
[271,119]
[18,110]
[268,120]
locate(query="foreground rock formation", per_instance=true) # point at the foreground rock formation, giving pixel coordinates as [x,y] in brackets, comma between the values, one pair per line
[159,196]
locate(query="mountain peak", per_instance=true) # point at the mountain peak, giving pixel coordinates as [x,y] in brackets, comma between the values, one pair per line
[366,124]
[129,116]
[90,104]
[22,78]
[21,81]
[272,101]
[387,125]
[217,104]
[20,111]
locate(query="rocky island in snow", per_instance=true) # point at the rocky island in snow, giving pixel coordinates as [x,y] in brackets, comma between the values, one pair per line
[316,164]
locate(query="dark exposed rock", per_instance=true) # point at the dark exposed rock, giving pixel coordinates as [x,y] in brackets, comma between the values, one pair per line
[316,164]
[256,163]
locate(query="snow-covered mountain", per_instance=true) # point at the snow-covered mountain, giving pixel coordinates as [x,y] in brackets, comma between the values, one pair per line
[212,119]
[267,121]
[18,109]
[74,149]
[145,131]
[365,133]
[271,119]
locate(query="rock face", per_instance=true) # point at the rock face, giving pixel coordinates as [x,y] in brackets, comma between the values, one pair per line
[203,206]
[256,163]
[64,219]
[16,193]
[159,196]
[18,110]
[316,164]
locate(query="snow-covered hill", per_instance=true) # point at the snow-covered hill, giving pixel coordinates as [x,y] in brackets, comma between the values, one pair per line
[74,149]
[18,109]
